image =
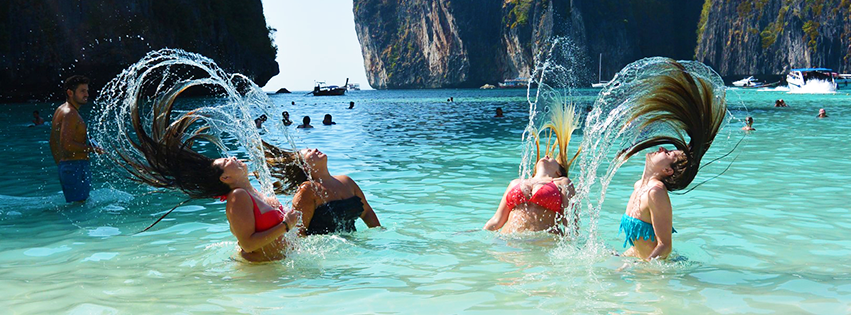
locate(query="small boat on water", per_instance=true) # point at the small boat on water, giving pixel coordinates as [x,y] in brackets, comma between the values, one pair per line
[746,82]
[518,83]
[325,90]
[600,83]
[823,78]
[353,86]
[751,83]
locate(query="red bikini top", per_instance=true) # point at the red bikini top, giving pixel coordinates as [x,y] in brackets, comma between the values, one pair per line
[548,196]
[265,221]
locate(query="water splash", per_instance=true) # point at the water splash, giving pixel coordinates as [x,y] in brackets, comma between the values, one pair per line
[228,116]
[553,83]
[607,132]
[814,87]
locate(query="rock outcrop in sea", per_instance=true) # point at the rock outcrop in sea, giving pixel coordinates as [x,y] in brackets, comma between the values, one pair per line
[44,41]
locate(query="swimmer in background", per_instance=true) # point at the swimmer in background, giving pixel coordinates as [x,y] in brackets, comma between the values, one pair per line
[260,120]
[37,120]
[351,105]
[286,119]
[327,121]
[749,126]
[305,123]
[822,113]
[498,113]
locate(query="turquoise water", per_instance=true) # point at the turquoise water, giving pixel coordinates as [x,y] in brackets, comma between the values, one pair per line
[768,236]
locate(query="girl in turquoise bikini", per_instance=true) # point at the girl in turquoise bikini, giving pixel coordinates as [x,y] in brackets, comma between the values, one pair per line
[691,105]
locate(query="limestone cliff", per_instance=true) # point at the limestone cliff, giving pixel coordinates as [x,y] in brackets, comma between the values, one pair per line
[44,41]
[442,43]
[772,36]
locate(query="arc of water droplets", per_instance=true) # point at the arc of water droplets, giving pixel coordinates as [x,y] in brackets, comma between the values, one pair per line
[229,115]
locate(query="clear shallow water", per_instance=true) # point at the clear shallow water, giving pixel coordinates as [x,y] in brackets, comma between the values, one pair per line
[769,236]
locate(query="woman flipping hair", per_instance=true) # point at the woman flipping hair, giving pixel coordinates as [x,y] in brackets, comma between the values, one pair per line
[164,158]
[328,203]
[687,103]
[538,203]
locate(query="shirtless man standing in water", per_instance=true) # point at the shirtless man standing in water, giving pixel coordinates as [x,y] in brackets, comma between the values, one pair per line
[68,141]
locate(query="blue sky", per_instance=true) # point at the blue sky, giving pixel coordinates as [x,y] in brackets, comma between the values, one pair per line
[316,42]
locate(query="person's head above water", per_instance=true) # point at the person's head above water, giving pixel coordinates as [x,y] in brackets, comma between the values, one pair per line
[351,105]
[749,120]
[76,89]
[498,112]
[328,120]
[286,115]
[822,113]
[306,120]
[688,103]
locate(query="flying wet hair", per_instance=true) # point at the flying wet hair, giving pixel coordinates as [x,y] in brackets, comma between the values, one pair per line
[690,106]
[168,161]
[563,121]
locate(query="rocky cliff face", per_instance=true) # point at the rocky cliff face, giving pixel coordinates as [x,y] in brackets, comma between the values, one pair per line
[44,41]
[772,36]
[441,43]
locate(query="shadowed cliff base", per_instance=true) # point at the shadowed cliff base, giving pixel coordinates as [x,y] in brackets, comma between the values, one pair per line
[42,42]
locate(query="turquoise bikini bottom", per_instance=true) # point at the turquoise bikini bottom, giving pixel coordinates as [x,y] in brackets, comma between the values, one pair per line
[636,229]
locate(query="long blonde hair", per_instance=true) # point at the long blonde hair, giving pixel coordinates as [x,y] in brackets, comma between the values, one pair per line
[563,121]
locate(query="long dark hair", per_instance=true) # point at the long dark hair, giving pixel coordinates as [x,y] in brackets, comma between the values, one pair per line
[170,162]
[689,105]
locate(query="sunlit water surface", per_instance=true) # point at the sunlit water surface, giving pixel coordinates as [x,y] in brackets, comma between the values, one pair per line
[768,236]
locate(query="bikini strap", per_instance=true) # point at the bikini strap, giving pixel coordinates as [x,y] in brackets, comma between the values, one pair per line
[256,209]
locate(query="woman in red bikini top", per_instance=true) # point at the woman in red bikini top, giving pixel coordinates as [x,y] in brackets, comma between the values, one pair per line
[535,204]
[160,153]
[538,203]
[257,221]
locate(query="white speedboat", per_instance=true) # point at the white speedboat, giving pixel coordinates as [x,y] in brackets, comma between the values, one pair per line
[812,80]
[749,81]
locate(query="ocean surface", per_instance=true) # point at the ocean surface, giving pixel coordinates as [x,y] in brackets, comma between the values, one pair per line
[768,236]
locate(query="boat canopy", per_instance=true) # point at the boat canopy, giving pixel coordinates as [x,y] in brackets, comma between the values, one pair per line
[812,69]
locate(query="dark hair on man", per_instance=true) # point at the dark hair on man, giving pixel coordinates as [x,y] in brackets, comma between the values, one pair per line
[72,82]
[688,104]
[306,120]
